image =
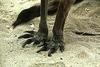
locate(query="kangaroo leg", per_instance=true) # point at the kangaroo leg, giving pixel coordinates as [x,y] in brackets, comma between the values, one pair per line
[42,34]
[57,41]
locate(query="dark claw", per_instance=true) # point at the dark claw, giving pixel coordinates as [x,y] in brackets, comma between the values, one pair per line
[44,47]
[29,41]
[25,36]
[61,48]
[41,44]
[23,45]
[54,46]
[51,51]
[30,32]
[36,42]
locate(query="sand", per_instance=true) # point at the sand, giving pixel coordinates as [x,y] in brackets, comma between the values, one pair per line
[80,51]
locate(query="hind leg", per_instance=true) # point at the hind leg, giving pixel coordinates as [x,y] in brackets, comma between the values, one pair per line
[57,41]
[42,34]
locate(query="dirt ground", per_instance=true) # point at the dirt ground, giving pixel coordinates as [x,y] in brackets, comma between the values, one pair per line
[80,51]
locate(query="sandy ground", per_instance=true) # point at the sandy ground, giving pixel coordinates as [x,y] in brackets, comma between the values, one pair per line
[80,51]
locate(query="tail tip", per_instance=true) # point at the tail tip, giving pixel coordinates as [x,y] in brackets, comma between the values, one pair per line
[14,25]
